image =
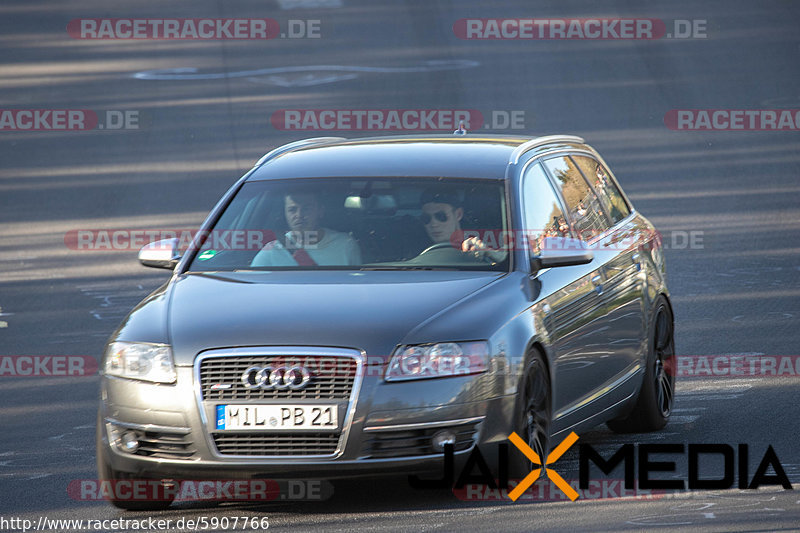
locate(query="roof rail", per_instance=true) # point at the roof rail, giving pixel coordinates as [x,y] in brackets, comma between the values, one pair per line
[539,141]
[296,144]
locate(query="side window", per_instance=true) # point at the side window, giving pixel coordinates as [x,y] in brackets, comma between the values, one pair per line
[543,215]
[584,208]
[604,187]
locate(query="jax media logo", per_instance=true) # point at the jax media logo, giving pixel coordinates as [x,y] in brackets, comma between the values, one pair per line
[476,460]
[643,474]
[552,457]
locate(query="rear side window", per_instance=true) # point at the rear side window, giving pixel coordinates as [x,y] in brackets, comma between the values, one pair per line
[543,214]
[604,187]
[585,211]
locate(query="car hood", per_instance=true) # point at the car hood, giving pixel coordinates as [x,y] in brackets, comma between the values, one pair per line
[372,311]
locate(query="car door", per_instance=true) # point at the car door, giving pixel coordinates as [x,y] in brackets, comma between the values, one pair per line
[623,279]
[594,353]
[569,297]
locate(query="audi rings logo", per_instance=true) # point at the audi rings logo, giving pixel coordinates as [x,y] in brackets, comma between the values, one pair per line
[281,378]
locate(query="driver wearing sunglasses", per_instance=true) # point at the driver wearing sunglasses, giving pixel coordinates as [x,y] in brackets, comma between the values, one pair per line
[441,215]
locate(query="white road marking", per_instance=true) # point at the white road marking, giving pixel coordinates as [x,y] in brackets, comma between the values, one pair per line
[114,303]
[661,436]
[309,4]
[772,315]
[183,74]
[304,80]
[707,397]
[729,386]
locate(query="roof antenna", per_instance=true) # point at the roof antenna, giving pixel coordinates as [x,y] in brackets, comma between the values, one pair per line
[461,130]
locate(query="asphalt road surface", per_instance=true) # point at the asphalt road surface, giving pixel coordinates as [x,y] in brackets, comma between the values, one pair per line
[203,111]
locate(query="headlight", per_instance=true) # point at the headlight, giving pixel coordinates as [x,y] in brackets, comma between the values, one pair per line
[150,362]
[438,360]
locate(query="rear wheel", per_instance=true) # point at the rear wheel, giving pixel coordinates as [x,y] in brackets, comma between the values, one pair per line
[533,414]
[654,404]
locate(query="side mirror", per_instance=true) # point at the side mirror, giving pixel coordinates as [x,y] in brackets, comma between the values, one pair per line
[160,254]
[561,251]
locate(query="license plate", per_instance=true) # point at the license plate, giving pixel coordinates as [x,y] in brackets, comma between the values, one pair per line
[277,417]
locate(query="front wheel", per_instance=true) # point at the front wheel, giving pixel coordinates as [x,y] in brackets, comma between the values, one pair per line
[533,414]
[654,404]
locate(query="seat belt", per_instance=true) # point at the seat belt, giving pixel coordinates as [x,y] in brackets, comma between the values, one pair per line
[303,258]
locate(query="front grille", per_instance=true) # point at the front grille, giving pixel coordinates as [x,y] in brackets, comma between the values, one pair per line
[408,443]
[332,378]
[291,444]
[164,445]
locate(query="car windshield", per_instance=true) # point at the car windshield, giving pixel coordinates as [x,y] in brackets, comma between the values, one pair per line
[357,224]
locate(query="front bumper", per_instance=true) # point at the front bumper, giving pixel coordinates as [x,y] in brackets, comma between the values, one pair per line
[388,428]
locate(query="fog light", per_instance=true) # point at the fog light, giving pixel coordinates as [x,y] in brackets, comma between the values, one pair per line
[441,438]
[130,441]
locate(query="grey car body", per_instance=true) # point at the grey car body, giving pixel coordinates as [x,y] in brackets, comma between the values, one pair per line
[589,325]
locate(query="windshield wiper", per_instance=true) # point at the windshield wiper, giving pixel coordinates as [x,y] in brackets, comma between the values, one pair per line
[407,267]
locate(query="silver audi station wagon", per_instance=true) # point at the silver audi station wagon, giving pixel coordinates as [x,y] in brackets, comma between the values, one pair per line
[352,307]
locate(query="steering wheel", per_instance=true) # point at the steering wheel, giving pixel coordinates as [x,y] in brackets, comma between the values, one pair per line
[437,246]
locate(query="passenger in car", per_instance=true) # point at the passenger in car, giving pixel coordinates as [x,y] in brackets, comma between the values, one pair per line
[307,243]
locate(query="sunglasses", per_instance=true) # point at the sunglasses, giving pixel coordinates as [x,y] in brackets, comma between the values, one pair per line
[441,216]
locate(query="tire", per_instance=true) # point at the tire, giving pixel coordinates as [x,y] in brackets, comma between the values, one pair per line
[654,404]
[106,473]
[533,416]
